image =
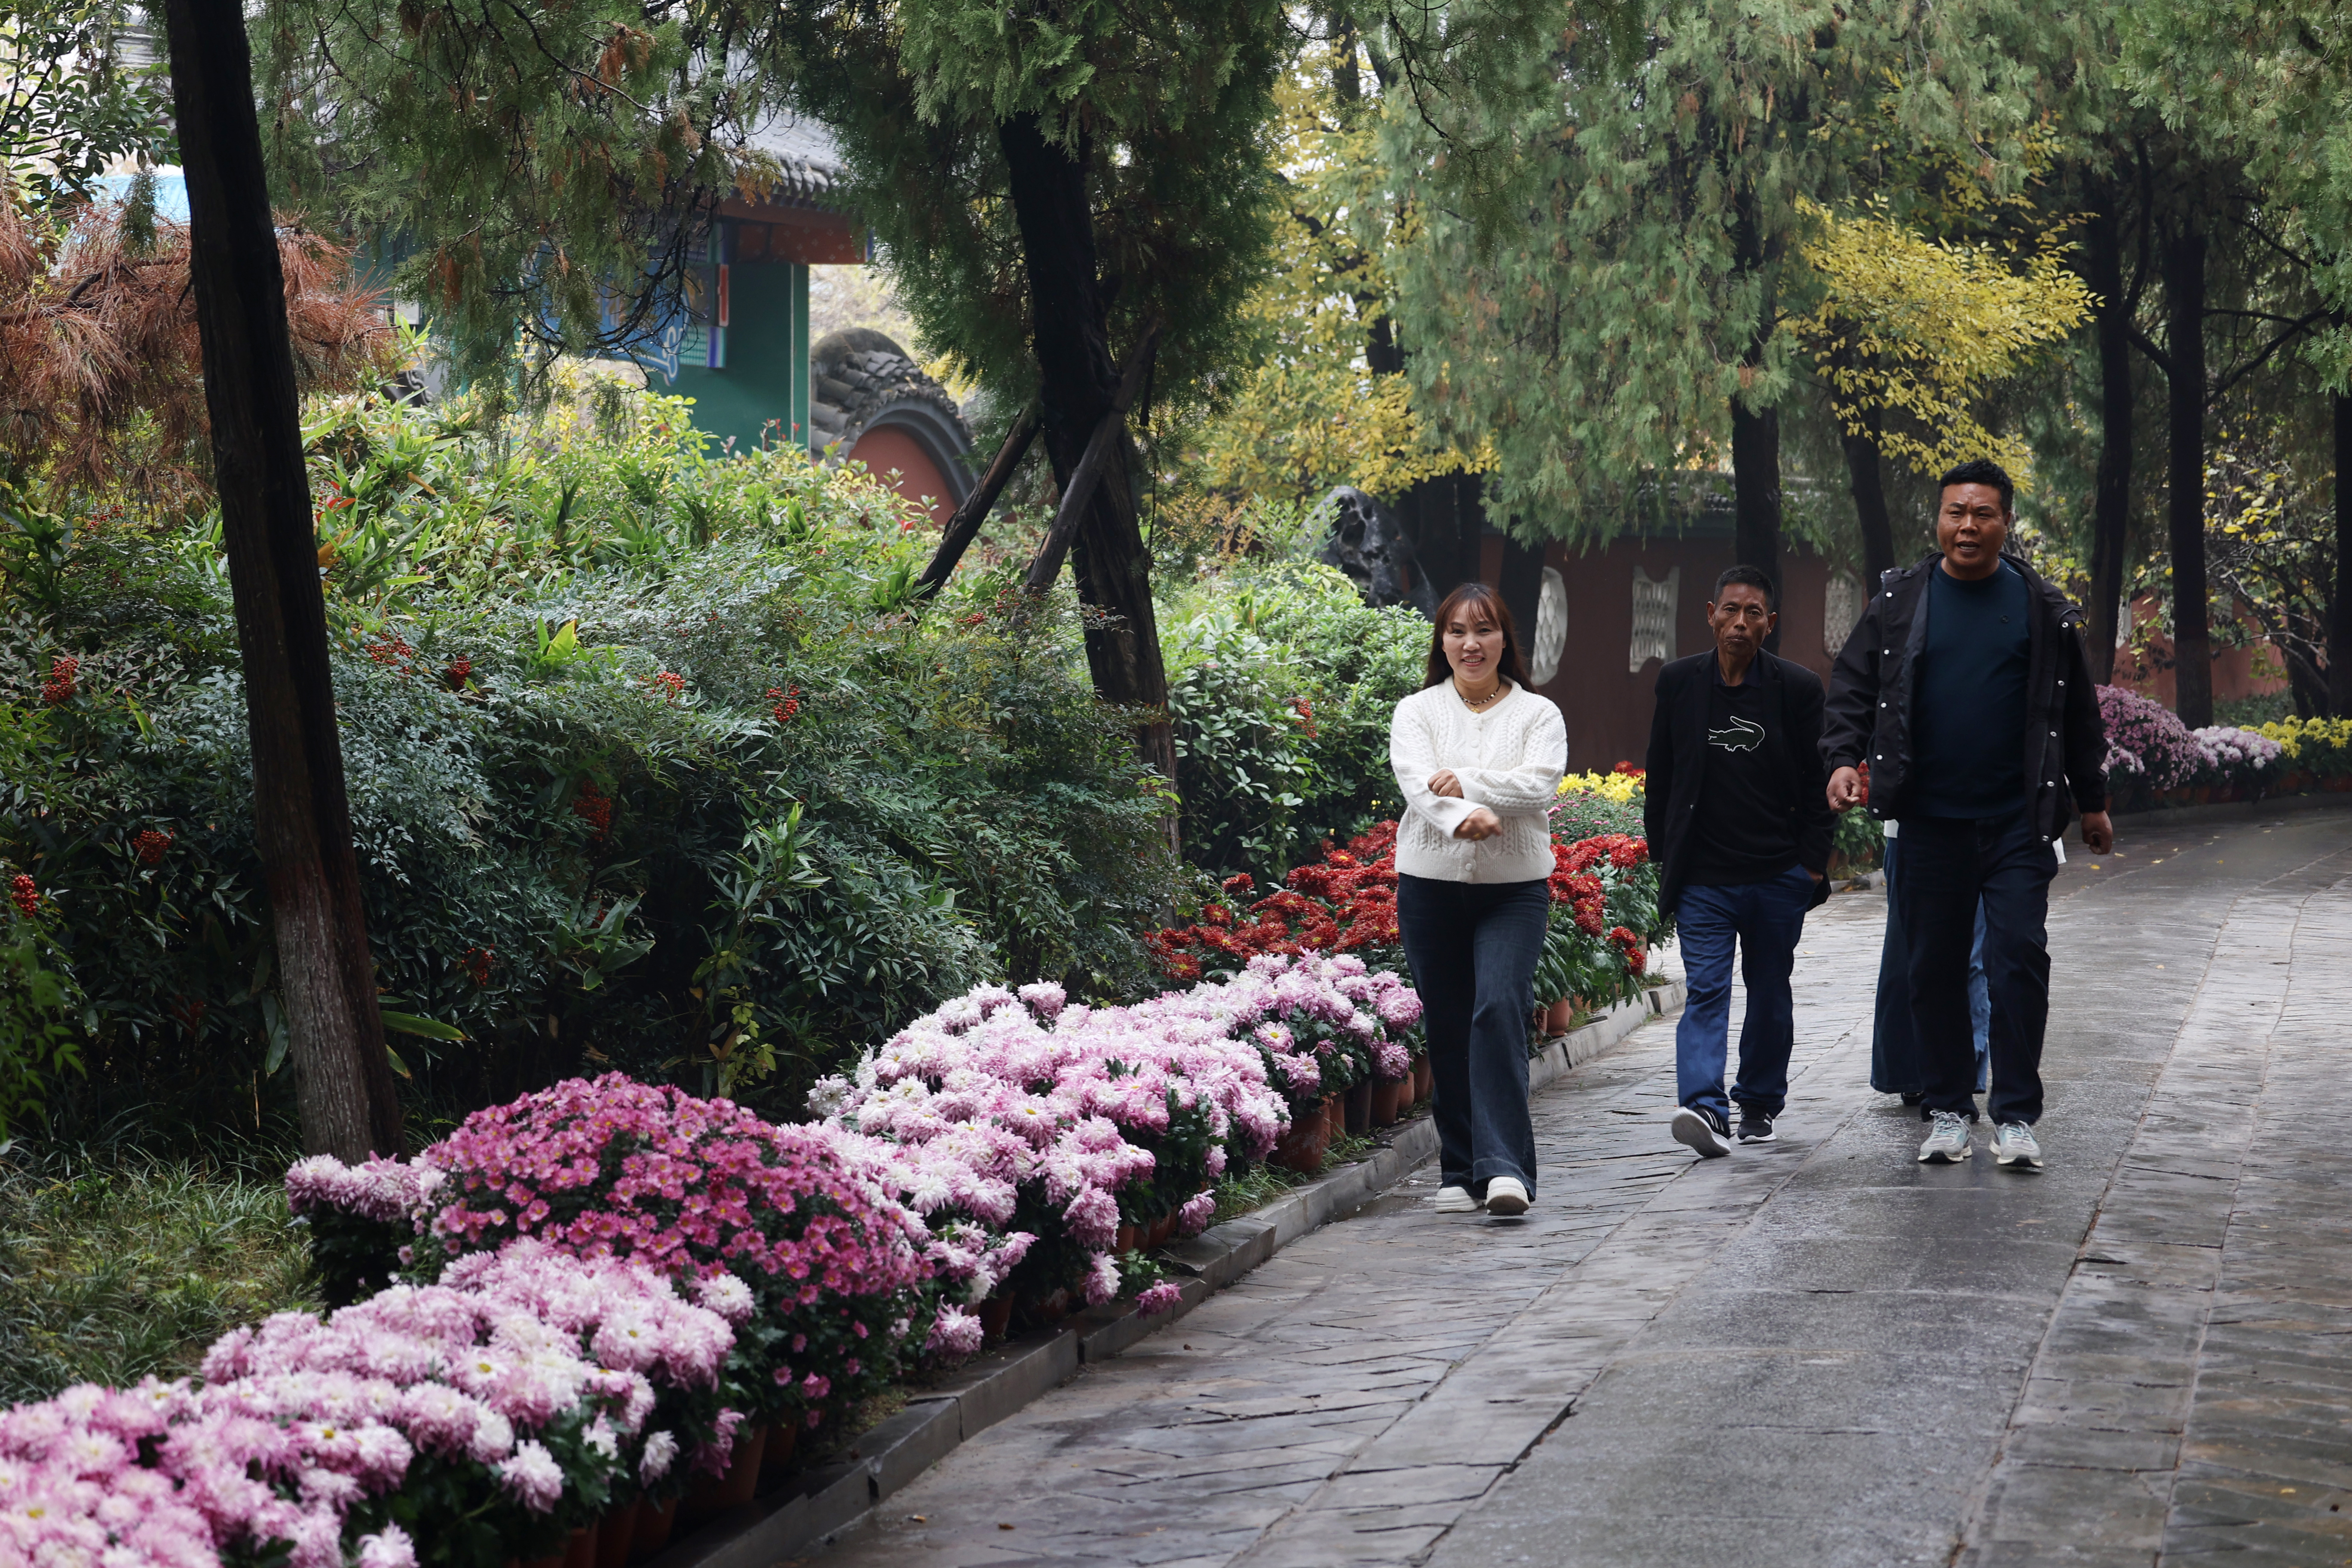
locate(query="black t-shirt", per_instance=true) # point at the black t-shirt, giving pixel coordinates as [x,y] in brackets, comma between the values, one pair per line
[1746,826]
[1967,704]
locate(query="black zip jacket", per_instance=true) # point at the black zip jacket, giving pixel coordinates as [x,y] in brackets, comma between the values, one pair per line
[1869,714]
[1675,765]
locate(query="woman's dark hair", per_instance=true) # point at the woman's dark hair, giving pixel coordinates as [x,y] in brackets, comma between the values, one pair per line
[1475,596]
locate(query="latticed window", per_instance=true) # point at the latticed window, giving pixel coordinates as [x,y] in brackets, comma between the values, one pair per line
[1653,617]
[1551,627]
[1841,610]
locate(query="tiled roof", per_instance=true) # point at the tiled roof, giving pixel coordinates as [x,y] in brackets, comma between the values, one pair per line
[810,159]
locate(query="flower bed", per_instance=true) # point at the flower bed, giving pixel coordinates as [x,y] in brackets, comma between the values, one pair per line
[471,1421]
[2153,759]
[1060,1135]
[585,1300]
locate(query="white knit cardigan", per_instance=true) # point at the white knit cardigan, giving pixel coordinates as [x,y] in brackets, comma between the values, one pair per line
[1509,760]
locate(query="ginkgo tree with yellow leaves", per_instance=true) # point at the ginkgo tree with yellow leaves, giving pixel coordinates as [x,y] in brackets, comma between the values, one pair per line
[1909,331]
[1323,404]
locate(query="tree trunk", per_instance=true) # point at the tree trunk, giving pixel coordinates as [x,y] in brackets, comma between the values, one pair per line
[1756,497]
[1865,476]
[1756,433]
[2339,600]
[302,828]
[1069,320]
[2192,641]
[2111,504]
[1522,591]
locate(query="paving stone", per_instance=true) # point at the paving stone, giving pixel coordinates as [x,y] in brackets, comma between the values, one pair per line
[1818,1353]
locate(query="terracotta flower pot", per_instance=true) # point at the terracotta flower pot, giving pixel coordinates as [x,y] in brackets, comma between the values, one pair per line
[1424,1078]
[655,1522]
[776,1459]
[1335,1118]
[615,1532]
[1161,1229]
[580,1551]
[1130,1236]
[1301,1148]
[1360,1109]
[2339,783]
[1558,1016]
[995,1317]
[1387,1096]
[711,1496]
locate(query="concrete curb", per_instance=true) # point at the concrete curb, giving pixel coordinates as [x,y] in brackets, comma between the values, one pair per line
[2227,811]
[820,1503]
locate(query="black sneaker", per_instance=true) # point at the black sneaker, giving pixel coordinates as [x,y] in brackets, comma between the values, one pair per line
[1702,1130]
[1756,1126]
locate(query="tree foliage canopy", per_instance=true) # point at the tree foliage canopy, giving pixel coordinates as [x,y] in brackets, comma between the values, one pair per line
[1163,104]
[526,168]
[1915,327]
[1602,335]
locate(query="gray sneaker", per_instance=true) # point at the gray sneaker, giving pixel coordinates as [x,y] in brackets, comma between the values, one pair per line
[2014,1144]
[1947,1139]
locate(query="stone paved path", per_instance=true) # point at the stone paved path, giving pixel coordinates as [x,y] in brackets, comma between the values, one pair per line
[1821,1352]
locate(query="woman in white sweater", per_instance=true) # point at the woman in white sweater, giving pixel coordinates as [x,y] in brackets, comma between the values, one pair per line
[1480,759]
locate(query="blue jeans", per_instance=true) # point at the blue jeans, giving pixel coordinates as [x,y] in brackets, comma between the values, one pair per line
[1952,869]
[1473,947]
[1766,919]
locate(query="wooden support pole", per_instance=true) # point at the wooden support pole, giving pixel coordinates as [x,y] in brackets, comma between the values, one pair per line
[1080,491]
[964,526]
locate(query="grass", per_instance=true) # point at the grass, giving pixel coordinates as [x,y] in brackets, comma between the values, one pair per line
[1262,1183]
[115,1268]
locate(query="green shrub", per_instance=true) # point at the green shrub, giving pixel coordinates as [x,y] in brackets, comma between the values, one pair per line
[1281,685]
[650,763]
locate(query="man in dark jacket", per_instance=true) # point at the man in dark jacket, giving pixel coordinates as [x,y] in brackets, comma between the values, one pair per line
[1966,689]
[1738,824]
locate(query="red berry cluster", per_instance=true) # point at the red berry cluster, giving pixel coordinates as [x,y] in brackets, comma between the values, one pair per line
[670,684]
[393,653]
[151,843]
[476,963]
[59,686]
[592,806]
[460,671]
[974,618]
[1305,711]
[787,704]
[24,895]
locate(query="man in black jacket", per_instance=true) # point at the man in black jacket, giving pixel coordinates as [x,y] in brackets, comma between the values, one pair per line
[1966,689]
[1739,827]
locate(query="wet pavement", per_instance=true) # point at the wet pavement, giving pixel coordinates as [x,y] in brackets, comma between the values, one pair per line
[1814,1353]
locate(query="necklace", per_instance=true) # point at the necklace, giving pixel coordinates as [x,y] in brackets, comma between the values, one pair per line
[1476,704]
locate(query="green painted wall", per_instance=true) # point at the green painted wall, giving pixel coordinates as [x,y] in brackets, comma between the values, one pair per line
[767,371]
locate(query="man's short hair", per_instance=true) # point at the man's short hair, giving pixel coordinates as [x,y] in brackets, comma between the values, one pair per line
[1983,472]
[1753,577]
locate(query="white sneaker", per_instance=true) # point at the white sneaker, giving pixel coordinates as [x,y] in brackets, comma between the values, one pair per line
[1703,1132]
[1947,1139]
[1506,1196]
[1454,1200]
[2014,1144]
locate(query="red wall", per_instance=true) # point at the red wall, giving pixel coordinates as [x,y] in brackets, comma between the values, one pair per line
[1607,706]
[2234,668]
[886,448]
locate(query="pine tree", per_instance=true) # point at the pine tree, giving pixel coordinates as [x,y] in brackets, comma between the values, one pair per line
[1053,188]
[536,172]
[1614,298]
[2266,87]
